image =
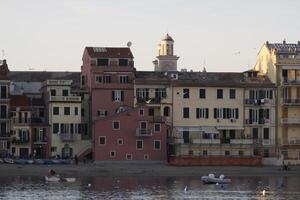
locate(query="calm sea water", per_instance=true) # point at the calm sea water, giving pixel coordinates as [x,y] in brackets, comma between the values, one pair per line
[149,188]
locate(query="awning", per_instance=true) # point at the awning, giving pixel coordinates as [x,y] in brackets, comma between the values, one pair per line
[209,129]
[230,128]
[205,129]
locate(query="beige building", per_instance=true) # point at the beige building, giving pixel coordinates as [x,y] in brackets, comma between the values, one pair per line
[281,63]
[260,116]
[64,115]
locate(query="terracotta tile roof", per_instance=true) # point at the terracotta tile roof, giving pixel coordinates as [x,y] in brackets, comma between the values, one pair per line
[284,47]
[20,101]
[109,52]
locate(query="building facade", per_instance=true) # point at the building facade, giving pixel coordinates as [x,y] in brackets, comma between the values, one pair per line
[281,63]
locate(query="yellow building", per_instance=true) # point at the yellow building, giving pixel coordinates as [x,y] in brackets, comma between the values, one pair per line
[281,63]
[64,115]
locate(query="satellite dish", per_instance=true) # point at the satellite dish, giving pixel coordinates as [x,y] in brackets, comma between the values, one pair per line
[129,44]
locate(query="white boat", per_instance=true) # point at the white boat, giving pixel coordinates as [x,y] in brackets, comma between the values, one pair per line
[9,160]
[211,179]
[58,179]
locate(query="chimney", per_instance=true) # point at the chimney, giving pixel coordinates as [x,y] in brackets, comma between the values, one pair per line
[4,62]
[284,42]
[267,42]
[298,42]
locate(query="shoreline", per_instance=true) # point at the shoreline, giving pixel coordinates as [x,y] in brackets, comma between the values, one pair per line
[133,169]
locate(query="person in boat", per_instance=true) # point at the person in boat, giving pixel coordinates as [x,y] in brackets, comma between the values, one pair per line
[51,173]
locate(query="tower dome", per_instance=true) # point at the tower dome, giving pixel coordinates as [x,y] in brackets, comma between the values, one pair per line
[167,37]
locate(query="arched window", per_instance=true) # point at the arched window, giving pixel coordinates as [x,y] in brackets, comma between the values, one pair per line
[166,111]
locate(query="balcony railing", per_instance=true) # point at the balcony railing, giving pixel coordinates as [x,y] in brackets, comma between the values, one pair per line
[206,141]
[65,98]
[20,141]
[252,122]
[291,102]
[290,120]
[143,132]
[287,81]
[257,102]
[241,141]
[5,135]
[294,142]
[67,137]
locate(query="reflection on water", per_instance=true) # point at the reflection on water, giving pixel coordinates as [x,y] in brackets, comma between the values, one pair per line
[149,188]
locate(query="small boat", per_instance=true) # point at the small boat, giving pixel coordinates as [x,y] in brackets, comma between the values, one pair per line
[9,160]
[56,161]
[58,179]
[211,179]
[20,161]
[29,161]
[39,161]
[48,162]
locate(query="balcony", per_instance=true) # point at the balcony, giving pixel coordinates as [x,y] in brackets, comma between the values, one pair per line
[290,121]
[288,61]
[143,132]
[287,81]
[241,141]
[258,102]
[291,102]
[67,137]
[5,135]
[65,99]
[206,141]
[20,141]
[259,122]
[294,141]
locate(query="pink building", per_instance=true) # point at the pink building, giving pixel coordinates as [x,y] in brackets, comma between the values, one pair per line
[131,135]
[119,131]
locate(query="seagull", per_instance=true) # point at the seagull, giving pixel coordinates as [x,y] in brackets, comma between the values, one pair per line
[264,192]
[148,101]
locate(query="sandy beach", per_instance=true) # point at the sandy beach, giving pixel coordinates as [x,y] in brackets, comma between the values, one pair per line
[130,169]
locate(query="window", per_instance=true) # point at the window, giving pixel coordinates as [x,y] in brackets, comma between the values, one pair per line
[65,93]
[186,93]
[241,153]
[82,112]
[3,110]
[219,93]
[107,79]
[227,153]
[143,125]
[156,144]
[142,93]
[116,125]
[151,112]
[82,80]
[146,156]
[99,79]
[102,113]
[202,94]
[53,92]
[41,112]
[120,141]
[123,62]
[102,62]
[186,112]
[55,128]
[266,153]
[160,93]
[55,110]
[255,133]
[202,113]
[53,149]
[141,112]
[204,153]
[102,140]
[124,79]
[3,92]
[128,156]
[156,127]
[226,113]
[266,133]
[66,110]
[166,111]
[255,152]
[76,110]
[112,154]
[117,95]
[232,93]
[139,144]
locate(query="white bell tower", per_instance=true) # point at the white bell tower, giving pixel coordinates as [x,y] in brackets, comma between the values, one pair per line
[166,60]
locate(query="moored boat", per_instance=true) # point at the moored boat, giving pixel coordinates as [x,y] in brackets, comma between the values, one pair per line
[211,179]
[9,160]
[58,179]
[20,161]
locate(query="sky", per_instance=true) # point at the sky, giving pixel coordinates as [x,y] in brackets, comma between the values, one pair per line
[222,35]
